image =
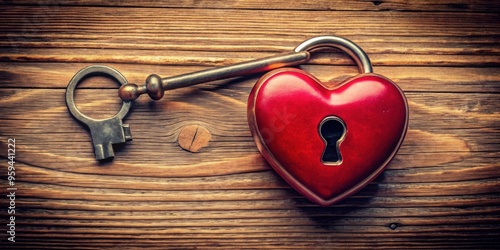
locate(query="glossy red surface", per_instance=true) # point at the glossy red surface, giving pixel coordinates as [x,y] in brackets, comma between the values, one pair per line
[285,110]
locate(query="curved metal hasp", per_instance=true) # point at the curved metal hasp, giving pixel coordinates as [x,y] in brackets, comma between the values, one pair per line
[104,132]
[346,45]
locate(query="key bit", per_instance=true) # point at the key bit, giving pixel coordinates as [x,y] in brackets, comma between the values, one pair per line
[104,132]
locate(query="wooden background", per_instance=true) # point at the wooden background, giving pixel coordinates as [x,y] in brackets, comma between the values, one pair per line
[441,191]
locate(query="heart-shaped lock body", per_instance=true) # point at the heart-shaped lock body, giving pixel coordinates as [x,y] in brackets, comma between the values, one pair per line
[327,143]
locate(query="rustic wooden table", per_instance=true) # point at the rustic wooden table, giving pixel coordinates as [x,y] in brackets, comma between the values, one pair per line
[441,191]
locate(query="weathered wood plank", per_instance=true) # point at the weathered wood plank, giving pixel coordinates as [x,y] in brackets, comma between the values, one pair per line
[410,79]
[118,193]
[44,39]
[162,232]
[350,204]
[143,213]
[386,5]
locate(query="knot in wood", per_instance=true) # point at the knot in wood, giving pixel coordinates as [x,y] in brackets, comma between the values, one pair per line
[193,138]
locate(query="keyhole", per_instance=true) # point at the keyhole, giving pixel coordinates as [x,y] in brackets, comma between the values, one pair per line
[332,130]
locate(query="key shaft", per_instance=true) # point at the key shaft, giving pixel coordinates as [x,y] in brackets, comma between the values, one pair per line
[155,86]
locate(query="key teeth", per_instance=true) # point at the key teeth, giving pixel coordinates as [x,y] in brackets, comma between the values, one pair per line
[126,131]
[103,153]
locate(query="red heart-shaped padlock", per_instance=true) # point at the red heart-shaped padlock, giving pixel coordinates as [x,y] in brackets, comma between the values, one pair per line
[327,143]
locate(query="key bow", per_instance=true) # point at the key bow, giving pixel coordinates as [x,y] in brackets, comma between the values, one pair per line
[105,132]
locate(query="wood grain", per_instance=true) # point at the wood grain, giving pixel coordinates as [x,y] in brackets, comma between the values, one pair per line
[441,191]
[366,5]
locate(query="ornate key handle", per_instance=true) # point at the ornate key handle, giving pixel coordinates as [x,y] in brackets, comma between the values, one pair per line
[106,132]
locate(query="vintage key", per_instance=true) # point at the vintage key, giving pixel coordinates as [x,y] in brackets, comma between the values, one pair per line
[105,132]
